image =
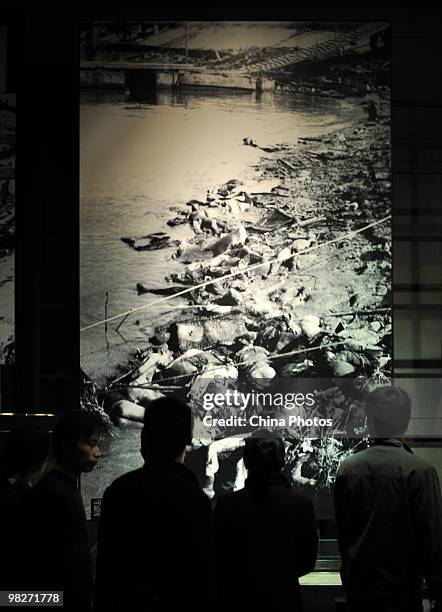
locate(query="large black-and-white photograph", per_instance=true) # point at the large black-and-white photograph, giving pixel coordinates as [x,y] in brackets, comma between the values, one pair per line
[235,231]
[7,228]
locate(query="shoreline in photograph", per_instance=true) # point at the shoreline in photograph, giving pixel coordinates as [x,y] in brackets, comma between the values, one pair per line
[137,202]
[323,208]
[335,297]
[258,253]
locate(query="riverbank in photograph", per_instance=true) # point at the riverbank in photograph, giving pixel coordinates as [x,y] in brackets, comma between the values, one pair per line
[236,236]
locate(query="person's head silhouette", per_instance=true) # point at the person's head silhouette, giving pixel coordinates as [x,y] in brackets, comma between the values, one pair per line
[76,441]
[388,411]
[167,431]
[26,453]
[264,456]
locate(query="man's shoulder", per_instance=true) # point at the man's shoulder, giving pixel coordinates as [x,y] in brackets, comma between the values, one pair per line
[278,494]
[55,496]
[290,496]
[54,483]
[48,481]
[129,480]
[14,495]
[184,481]
[384,456]
[355,459]
[181,479]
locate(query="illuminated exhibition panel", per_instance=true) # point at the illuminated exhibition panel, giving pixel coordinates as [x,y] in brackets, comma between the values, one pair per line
[235,237]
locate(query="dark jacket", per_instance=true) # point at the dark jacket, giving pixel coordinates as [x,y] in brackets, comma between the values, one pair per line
[61,551]
[15,512]
[154,543]
[264,544]
[389,520]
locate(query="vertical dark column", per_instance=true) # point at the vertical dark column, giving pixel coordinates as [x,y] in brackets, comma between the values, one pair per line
[3,57]
[417,175]
[47,206]
[13,55]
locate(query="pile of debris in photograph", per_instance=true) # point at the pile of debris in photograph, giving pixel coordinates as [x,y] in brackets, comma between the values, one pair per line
[288,276]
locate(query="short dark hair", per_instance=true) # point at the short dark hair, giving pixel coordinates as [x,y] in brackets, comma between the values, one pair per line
[167,429]
[264,453]
[73,426]
[26,449]
[389,408]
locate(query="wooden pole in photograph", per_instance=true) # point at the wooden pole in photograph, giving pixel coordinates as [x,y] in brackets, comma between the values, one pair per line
[105,311]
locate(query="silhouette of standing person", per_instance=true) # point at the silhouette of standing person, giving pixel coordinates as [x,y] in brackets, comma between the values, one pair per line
[26,454]
[154,548]
[265,535]
[61,550]
[389,515]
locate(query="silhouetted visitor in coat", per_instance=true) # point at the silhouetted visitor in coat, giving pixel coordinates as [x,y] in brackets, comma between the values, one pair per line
[265,535]
[389,515]
[61,554]
[154,538]
[25,457]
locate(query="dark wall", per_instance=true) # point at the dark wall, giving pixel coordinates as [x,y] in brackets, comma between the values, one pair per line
[417,193]
[47,290]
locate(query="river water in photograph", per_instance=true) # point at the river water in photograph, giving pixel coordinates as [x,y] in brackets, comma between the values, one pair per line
[139,159]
